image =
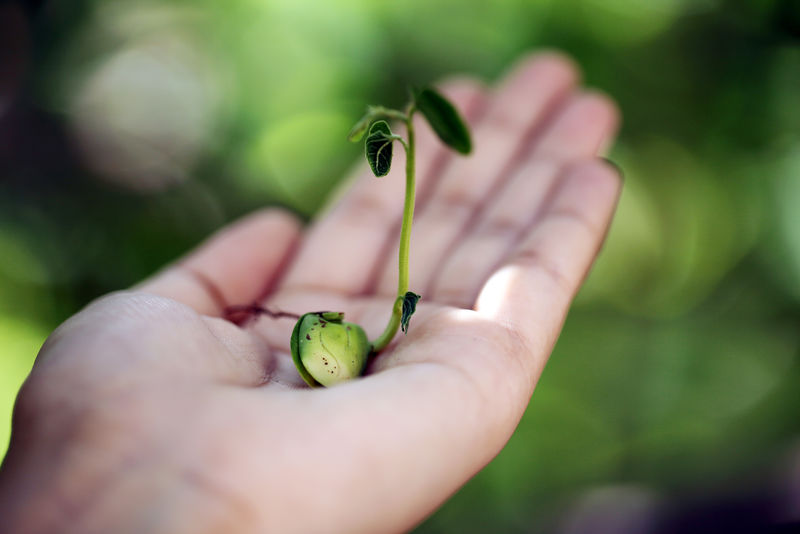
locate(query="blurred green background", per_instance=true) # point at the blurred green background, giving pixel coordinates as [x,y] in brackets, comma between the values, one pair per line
[131,130]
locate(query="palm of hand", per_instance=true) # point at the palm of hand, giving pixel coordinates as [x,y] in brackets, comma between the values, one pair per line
[201,408]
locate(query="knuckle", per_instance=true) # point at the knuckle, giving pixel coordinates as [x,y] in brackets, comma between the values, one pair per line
[455,200]
[367,210]
[533,258]
[577,218]
[500,226]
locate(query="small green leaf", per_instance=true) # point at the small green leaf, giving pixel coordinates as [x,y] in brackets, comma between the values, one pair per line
[335,317]
[379,148]
[359,129]
[409,307]
[444,119]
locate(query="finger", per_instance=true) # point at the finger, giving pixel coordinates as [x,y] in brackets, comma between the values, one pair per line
[532,291]
[238,265]
[585,126]
[518,107]
[134,337]
[587,122]
[500,225]
[349,239]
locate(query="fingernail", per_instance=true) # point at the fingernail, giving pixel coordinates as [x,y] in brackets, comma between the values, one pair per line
[616,166]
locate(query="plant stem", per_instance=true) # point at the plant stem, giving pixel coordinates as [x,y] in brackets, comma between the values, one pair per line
[405,239]
[408,213]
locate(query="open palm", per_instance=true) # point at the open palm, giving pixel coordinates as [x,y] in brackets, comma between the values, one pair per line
[188,423]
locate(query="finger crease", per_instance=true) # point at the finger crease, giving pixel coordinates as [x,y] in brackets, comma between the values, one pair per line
[529,137]
[210,287]
[574,216]
[457,201]
[501,227]
[368,210]
[235,506]
[533,258]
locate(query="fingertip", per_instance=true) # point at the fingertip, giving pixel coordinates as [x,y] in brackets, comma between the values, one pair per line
[236,265]
[460,85]
[615,167]
[603,109]
[256,240]
[599,174]
[268,221]
[546,64]
[585,125]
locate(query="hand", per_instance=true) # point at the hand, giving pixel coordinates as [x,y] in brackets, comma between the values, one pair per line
[148,412]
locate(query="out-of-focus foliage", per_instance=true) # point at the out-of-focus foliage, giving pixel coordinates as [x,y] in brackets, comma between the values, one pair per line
[139,127]
[19,340]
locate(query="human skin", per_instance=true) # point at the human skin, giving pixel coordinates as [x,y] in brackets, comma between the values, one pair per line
[149,412]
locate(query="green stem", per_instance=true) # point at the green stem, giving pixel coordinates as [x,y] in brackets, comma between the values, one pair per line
[405,239]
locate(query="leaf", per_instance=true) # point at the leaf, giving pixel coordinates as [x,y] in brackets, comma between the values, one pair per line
[444,119]
[335,317]
[359,129]
[409,307]
[379,148]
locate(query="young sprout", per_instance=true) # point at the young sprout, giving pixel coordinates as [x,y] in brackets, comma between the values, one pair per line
[325,349]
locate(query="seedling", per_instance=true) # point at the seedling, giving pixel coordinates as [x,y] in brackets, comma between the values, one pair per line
[326,349]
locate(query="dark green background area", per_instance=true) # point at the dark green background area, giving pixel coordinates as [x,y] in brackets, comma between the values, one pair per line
[130,131]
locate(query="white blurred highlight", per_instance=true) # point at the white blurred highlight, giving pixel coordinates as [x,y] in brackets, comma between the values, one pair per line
[144,115]
[496,291]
